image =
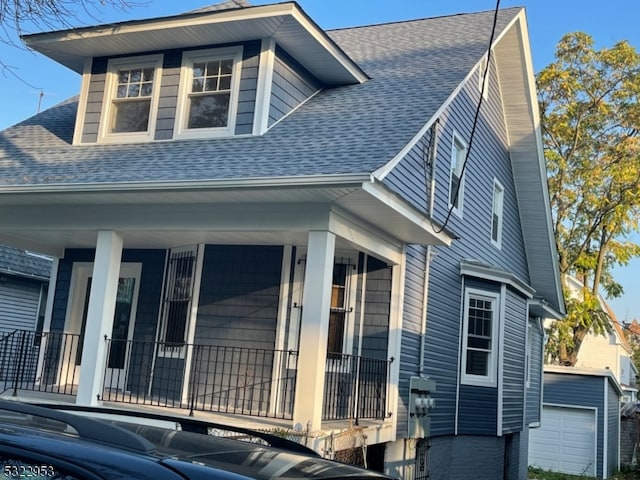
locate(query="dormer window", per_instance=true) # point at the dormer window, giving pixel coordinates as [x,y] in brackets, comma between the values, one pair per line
[208,97]
[131,97]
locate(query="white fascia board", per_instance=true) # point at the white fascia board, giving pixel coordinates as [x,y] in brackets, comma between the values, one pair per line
[383,195]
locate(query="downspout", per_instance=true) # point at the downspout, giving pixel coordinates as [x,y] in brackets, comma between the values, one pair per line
[430,170]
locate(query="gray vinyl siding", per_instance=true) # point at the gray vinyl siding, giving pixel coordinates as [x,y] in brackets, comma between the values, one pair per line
[534,392]
[291,86]
[613,428]
[168,98]
[19,303]
[239,295]
[95,97]
[513,375]
[488,160]
[411,325]
[579,390]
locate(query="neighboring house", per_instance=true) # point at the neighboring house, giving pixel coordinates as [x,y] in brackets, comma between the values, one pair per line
[610,351]
[580,431]
[256,217]
[24,278]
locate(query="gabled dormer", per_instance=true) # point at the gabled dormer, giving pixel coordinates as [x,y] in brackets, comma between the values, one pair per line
[212,73]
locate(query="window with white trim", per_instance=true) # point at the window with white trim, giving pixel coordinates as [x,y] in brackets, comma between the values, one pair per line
[131,97]
[496,213]
[456,181]
[208,93]
[479,341]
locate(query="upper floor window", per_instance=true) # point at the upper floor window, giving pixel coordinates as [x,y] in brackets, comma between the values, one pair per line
[496,214]
[479,349]
[456,183]
[208,97]
[131,97]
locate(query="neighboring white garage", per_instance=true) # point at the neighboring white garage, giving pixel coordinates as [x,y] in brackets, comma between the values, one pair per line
[566,440]
[579,430]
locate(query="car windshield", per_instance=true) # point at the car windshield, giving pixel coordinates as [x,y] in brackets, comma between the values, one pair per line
[250,459]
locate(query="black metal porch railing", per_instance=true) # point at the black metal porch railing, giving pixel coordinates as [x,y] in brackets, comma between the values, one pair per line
[355,388]
[224,379]
[39,361]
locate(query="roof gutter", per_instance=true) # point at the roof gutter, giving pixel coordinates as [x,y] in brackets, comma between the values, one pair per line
[355,180]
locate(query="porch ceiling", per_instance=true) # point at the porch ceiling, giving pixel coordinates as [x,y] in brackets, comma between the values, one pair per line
[50,221]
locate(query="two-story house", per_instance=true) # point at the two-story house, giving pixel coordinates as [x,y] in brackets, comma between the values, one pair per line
[337,231]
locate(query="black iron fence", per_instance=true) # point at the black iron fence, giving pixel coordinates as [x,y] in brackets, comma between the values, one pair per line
[224,379]
[39,361]
[355,388]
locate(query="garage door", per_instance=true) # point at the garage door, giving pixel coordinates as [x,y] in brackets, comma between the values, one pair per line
[565,441]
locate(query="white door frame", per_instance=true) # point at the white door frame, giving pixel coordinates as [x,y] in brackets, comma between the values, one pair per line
[81,272]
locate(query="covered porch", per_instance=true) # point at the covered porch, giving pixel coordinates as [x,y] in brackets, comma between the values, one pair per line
[325,351]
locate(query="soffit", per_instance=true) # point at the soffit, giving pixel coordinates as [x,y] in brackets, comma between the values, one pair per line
[51,221]
[286,23]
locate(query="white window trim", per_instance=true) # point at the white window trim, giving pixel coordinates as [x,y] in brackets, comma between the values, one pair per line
[182,109]
[489,380]
[497,208]
[104,136]
[457,145]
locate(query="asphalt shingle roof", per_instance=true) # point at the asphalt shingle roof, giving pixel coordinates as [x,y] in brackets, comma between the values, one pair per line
[414,67]
[18,262]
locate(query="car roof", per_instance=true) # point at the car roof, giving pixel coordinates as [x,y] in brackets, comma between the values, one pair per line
[183,451]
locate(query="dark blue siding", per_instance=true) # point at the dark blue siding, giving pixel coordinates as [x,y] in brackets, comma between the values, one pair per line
[513,378]
[535,379]
[239,294]
[292,85]
[478,410]
[375,329]
[248,88]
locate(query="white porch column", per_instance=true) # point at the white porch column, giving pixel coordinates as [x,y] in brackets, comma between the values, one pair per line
[102,304]
[314,329]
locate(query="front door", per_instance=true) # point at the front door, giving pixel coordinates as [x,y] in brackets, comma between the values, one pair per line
[123,320]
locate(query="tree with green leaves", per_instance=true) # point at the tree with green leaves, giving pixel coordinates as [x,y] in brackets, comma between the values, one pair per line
[590,115]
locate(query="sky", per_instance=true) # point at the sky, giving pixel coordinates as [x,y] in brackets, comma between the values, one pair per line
[43,83]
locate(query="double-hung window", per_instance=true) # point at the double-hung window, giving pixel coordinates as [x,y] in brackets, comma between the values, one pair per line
[480,336]
[209,89]
[496,214]
[456,180]
[131,97]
